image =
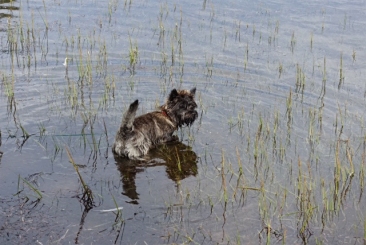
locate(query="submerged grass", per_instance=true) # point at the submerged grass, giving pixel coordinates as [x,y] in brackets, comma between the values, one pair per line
[33,188]
[87,197]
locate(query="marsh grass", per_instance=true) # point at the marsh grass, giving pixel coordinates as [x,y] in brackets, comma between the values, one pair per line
[87,198]
[341,73]
[33,188]
[289,114]
[324,80]
[209,66]
[311,41]
[24,132]
[305,201]
[133,54]
[300,81]
[354,56]
[9,85]
[280,70]
[293,42]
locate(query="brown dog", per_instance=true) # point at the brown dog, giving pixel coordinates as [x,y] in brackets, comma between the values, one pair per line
[136,136]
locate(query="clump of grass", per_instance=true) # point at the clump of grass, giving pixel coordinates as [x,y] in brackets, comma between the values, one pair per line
[237,33]
[289,114]
[257,143]
[133,55]
[322,95]
[343,175]
[311,41]
[300,81]
[9,87]
[129,3]
[72,94]
[277,28]
[33,188]
[280,69]
[45,12]
[341,75]
[324,80]
[268,230]
[209,66]
[24,132]
[275,128]
[42,130]
[102,60]
[263,205]
[344,21]
[25,136]
[246,57]
[293,41]
[305,202]
[87,198]
[173,56]
[204,4]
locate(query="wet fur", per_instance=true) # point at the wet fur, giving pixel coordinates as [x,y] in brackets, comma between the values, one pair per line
[137,135]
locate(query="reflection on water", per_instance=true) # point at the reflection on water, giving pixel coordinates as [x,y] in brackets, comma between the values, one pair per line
[6,8]
[179,159]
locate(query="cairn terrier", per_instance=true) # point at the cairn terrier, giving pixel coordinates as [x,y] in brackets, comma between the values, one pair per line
[136,136]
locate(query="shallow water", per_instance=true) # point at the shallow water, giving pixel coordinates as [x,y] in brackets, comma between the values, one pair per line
[276,156]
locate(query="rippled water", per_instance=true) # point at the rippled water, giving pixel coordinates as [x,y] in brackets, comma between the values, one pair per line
[276,156]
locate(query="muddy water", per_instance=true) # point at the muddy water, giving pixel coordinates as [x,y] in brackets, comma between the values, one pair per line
[277,154]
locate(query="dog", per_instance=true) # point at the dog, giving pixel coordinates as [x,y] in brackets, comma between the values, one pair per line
[137,135]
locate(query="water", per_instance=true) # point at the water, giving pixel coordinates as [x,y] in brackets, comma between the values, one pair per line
[277,154]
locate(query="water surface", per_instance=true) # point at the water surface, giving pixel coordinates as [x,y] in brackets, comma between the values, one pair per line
[276,156]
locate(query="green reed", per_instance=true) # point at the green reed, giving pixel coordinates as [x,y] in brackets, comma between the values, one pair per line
[87,198]
[33,188]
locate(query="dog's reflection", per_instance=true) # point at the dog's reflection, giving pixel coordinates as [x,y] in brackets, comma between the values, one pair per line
[179,159]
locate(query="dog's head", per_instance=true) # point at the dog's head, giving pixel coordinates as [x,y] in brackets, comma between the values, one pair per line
[181,107]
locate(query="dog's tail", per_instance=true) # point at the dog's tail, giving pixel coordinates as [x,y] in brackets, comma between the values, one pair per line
[129,116]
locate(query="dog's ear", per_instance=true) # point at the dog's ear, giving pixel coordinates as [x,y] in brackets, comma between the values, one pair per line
[193,91]
[173,94]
